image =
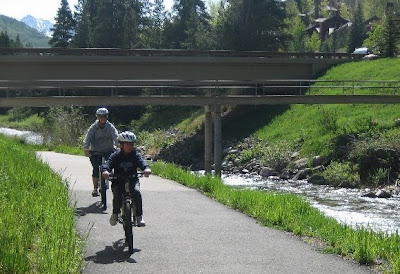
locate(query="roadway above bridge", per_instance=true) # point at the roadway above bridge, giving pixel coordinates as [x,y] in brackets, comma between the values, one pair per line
[79,68]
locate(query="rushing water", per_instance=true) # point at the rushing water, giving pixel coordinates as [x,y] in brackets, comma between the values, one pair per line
[29,136]
[345,205]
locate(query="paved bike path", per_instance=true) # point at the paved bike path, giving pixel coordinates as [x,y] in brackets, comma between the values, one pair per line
[185,232]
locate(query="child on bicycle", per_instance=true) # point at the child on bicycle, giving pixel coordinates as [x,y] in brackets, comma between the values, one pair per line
[100,140]
[125,162]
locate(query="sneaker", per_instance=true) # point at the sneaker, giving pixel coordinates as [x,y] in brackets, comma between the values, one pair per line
[95,193]
[140,221]
[113,219]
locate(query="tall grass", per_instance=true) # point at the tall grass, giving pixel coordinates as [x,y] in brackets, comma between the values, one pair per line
[37,226]
[292,213]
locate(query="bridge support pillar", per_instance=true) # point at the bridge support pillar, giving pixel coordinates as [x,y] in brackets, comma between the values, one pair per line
[217,140]
[207,140]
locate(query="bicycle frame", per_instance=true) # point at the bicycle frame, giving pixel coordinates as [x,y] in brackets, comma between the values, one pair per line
[128,209]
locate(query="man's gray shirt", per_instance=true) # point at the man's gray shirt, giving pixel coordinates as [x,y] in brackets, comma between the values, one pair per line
[101,139]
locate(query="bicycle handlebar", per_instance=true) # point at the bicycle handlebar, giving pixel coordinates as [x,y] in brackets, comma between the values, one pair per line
[112,176]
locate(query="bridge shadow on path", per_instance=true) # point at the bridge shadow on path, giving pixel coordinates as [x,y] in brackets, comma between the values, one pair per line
[113,254]
[95,208]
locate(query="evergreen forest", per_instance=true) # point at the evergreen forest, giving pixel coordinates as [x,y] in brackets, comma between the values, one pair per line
[267,25]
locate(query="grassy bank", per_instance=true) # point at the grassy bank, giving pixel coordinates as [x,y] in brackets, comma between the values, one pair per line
[315,126]
[37,226]
[291,213]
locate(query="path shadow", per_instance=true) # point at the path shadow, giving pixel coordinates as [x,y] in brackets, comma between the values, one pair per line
[95,208]
[113,254]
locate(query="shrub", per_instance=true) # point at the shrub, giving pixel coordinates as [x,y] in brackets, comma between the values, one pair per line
[64,126]
[342,174]
[277,155]
[375,154]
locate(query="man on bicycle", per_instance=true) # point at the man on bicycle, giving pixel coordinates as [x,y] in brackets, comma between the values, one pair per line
[100,140]
[125,162]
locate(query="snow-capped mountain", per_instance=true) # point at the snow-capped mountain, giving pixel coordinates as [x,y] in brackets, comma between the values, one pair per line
[41,25]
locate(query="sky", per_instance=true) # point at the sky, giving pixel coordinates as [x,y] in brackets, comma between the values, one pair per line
[40,9]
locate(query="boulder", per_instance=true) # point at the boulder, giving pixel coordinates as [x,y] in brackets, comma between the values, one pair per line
[317,180]
[317,161]
[265,172]
[383,194]
[286,175]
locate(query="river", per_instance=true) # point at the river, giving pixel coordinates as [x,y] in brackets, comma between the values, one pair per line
[29,136]
[344,204]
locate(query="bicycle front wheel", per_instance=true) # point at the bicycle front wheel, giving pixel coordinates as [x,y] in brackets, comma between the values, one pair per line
[128,226]
[103,192]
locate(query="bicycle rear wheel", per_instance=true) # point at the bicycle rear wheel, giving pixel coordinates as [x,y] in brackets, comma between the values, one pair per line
[128,225]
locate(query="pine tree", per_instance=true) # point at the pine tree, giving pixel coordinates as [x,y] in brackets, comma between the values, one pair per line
[4,40]
[189,26]
[63,29]
[154,33]
[86,10]
[357,32]
[17,42]
[103,27]
[253,25]
[389,36]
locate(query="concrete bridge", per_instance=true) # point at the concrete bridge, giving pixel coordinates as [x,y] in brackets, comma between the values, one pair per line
[101,68]
[126,69]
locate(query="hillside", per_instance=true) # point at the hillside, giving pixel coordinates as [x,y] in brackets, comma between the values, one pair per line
[26,34]
[358,143]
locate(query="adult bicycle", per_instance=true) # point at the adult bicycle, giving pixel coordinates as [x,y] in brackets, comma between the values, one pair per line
[103,183]
[128,210]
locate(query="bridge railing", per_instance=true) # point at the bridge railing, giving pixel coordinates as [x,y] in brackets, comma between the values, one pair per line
[174,52]
[291,86]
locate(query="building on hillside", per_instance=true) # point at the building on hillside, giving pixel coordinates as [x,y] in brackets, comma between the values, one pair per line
[326,26]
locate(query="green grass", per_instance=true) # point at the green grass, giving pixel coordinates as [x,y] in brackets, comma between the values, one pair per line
[292,213]
[37,225]
[31,122]
[314,126]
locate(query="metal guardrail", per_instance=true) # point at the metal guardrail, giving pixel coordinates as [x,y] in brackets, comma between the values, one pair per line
[209,84]
[174,52]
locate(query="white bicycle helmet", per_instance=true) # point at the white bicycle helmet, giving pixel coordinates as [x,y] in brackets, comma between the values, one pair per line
[102,111]
[127,137]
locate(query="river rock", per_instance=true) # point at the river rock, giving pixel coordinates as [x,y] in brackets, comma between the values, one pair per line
[303,174]
[317,161]
[383,194]
[251,165]
[266,172]
[317,180]
[286,174]
[274,178]
[295,155]
[301,163]
[369,194]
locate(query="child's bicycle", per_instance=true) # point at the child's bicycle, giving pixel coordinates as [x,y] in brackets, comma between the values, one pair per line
[128,209]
